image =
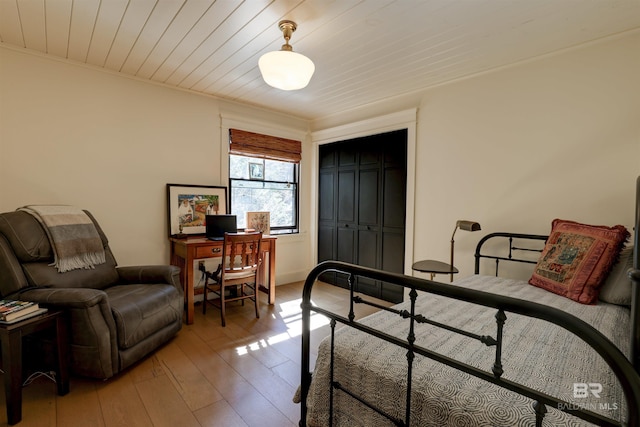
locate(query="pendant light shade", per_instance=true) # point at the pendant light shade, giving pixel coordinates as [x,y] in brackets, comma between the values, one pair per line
[286,69]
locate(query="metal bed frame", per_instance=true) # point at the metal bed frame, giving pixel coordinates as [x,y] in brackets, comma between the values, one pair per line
[625,370]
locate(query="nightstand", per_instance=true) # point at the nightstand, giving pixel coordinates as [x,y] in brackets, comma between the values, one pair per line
[11,337]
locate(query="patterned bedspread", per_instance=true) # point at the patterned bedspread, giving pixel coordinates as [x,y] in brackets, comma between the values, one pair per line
[536,353]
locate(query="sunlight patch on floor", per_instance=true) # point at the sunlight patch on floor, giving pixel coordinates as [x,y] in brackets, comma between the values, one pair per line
[291,314]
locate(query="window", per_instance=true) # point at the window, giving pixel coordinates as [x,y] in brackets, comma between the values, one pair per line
[262,178]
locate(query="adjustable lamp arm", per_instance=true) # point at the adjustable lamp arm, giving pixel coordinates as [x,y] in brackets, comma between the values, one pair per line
[462,225]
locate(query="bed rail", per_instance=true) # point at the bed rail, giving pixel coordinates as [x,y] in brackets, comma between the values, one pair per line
[622,368]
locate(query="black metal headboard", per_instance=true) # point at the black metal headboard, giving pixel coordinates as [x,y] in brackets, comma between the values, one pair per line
[510,240]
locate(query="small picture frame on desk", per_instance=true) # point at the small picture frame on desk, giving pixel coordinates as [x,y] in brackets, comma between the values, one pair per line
[188,206]
[259,221]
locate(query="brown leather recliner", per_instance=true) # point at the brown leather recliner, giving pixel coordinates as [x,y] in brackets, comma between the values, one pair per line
[117,315]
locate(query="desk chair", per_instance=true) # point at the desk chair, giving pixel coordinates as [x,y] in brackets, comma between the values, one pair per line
[238,273]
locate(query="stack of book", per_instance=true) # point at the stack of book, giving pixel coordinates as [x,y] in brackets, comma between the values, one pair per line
[14,310]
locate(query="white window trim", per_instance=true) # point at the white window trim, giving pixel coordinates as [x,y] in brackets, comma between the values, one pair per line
[229,121]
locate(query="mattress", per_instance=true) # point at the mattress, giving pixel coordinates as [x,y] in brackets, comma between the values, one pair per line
[536,354]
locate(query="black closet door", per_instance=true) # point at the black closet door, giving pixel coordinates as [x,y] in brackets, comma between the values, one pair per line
[362,188]
[327,230]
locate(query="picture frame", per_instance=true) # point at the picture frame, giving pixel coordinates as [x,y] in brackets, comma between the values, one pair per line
[188,205]
[256,171]
[259,221]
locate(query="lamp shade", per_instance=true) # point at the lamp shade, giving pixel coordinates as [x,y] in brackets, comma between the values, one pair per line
[467,225]
[286,70]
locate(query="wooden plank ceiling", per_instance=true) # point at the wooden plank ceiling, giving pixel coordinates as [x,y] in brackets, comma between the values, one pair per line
[365,51]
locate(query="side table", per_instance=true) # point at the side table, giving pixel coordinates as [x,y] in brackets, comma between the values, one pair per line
[11,337]
[434,267]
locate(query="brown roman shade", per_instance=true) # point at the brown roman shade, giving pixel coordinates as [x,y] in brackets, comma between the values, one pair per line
[265,146]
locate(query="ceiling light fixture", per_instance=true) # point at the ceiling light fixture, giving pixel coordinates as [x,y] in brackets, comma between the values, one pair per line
[285,69]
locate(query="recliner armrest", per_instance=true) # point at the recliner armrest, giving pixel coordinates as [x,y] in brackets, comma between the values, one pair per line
[151,274]
[66,297]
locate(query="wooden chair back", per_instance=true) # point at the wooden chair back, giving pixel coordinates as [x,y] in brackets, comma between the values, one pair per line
[241,256]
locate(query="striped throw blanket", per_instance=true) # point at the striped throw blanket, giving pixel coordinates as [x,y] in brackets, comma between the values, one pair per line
[74,239]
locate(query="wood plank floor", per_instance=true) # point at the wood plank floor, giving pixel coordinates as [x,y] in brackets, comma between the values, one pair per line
[242,375]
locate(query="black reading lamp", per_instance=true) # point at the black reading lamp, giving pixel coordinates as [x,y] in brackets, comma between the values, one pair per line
[466,226]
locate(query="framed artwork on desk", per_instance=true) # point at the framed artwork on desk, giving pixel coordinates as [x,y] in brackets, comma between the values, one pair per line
[188,205]
[259,221]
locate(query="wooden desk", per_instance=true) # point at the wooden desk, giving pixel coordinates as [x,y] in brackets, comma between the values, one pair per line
[185,251]
[11,336]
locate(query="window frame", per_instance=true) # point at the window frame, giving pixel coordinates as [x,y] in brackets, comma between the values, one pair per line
[295,229]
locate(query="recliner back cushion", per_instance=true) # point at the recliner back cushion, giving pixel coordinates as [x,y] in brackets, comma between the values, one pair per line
[26,236]
[31,246]
[12,278]
[100,277]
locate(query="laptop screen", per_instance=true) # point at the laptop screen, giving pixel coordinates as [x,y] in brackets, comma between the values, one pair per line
[217,225]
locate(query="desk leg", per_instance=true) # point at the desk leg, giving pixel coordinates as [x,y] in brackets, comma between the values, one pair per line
[186,273]
[272,274]
[12,363]
[188,288]
[62,339]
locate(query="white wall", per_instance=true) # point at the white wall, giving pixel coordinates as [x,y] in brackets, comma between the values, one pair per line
[74,135]
[557,137]
[512,149]
[553,138]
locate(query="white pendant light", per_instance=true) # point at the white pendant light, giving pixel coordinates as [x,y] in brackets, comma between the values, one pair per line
[286,69]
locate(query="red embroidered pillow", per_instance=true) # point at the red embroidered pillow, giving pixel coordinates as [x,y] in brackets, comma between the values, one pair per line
[577,258]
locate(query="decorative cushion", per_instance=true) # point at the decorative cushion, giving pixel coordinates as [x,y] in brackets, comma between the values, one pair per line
[577,258]
[617,286]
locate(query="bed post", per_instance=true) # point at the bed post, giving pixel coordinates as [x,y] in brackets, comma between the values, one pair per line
[634,275]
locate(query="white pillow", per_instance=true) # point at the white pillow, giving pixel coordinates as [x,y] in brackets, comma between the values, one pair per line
[617,286]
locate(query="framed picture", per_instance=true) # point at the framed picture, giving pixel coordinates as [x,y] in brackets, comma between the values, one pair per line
[259,221]
[256,171]
[187,206]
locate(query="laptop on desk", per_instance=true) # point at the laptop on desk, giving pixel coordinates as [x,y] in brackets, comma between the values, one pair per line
[217,225]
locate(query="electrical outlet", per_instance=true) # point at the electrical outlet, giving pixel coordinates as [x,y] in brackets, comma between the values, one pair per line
[201,266]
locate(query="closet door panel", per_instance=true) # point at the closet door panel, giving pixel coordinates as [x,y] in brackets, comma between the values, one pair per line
[368,197]
[346,250]
[346,196]
[346,243]
[326,203]
[394,198]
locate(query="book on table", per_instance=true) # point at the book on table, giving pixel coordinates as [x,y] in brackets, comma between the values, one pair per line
[38,312]
[14,309]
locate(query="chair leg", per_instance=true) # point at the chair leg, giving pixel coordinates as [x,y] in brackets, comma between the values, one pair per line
[204,296]
[255,299]
[222,305]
